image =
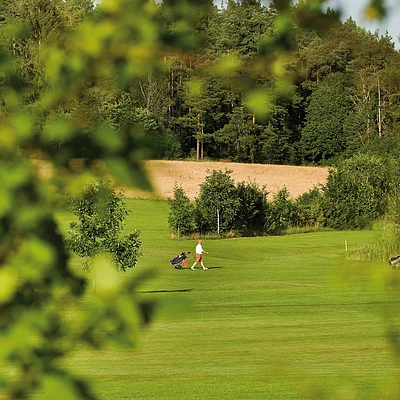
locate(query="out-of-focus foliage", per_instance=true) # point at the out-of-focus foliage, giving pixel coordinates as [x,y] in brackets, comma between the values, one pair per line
[101,214]
[48,72]
[58,61]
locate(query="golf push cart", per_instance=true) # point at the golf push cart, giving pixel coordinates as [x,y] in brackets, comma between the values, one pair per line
[394,262]
[180,259]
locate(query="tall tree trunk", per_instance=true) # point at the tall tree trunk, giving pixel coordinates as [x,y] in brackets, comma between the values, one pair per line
[169,93]
[202,144]
[379,109]
[172,91]
[198,149]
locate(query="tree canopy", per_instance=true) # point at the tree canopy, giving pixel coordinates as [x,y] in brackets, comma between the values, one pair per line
[252,84]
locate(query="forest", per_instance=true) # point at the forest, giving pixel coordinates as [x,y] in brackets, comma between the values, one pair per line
[327,91]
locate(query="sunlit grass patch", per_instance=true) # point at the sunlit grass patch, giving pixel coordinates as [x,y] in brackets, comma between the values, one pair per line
[274,317]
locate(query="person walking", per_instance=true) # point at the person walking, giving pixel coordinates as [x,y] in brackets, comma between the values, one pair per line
[199,255]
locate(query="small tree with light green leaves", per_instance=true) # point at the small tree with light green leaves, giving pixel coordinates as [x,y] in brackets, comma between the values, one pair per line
[181,218]
[218,202]
[101,214]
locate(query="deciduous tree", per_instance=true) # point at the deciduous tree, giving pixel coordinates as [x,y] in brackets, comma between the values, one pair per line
[101,214]
[217,203]
[181,218]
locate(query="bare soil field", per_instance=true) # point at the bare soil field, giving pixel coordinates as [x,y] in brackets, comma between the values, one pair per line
[190,174]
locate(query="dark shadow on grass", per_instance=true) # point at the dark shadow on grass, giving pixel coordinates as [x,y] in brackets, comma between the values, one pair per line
[168,291]
[322,305]
[214,267]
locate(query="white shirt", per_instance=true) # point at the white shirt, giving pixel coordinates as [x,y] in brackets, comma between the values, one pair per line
[199,249]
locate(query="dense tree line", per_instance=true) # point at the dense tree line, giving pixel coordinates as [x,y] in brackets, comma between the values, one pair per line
[361,190]
[336,93]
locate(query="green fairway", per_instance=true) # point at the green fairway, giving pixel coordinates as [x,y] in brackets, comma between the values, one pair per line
[286,317]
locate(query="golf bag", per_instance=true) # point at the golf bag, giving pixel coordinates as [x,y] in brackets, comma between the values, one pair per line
[180,259]
[394,262]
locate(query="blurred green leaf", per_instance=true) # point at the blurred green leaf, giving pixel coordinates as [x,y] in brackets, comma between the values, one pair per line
[108,138]
[375,10]
[23,125]
[226,66]
[260,102]
[58,387]
[196,87]
[8,285]
[108,280]
[58,128]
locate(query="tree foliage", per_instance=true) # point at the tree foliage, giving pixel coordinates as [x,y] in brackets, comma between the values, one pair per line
[101,213]
[221,207]
[323,136]
[281,213]
[217,203]
[253,207]
[181,217]
[359,191]
[356,193]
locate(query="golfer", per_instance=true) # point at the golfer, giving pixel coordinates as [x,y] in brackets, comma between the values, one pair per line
[199,255]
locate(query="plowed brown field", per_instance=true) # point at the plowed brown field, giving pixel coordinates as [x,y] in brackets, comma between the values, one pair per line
[190,174]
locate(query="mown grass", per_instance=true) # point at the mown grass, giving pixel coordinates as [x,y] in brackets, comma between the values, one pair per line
[286,317]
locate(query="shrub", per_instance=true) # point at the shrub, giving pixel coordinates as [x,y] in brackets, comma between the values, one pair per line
[308,209]
[253,206]
[280,214]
